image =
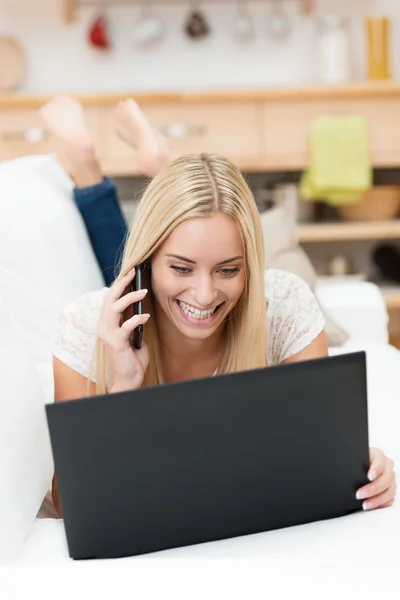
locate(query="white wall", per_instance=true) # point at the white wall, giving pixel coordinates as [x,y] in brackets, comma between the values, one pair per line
[59,58]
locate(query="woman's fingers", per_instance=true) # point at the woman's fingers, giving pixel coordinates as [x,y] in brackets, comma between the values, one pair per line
[122,304]
[117,300]
[118,288]
[118,337]
[381,484]
[133,322]
[378,460]
[382,489]
[128,366]
[382,500]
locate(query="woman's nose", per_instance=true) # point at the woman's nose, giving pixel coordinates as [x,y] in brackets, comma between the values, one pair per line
[204,292]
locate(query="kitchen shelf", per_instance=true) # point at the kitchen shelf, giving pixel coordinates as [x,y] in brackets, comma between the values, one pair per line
[70,7]
[348,231]
[354,91]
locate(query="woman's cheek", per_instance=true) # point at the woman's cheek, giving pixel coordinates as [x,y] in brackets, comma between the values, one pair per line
[164,286]
[236,288]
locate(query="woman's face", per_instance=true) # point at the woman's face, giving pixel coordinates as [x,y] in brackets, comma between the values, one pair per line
[198,274]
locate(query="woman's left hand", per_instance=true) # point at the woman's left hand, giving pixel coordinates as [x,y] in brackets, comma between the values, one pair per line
[381,492]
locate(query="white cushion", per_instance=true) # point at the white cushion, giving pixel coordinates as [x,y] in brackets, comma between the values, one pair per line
[42,236]
[26,465]
[357,305]
[46,259]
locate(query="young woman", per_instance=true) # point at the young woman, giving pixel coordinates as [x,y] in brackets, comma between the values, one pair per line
[210,306]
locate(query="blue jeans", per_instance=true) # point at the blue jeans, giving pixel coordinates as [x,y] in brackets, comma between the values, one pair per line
[105,225]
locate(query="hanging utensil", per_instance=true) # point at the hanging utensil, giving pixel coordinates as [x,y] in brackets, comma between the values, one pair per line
[197,26]
[12,63]
[149,29]
[244,24]
[99,32]
[307,6]
[278,23]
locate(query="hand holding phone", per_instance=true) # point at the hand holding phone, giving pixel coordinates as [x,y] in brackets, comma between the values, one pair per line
[118,320]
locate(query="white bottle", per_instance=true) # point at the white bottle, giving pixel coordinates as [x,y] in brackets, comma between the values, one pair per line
[333,63]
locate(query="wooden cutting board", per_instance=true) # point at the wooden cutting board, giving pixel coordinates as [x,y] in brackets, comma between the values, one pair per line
[12,64]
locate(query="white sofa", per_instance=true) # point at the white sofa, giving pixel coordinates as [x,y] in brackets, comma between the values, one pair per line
[46,260]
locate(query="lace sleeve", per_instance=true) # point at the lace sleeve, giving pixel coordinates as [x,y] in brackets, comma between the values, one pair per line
[293,316]
[76,333]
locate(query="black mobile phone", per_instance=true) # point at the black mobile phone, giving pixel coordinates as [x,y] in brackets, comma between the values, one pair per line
[136,308]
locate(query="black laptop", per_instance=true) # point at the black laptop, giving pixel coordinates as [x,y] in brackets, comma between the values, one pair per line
[209,459]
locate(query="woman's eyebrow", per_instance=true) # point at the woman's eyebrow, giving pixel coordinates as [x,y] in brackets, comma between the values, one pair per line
[193,262]
[229,260]
[181,258]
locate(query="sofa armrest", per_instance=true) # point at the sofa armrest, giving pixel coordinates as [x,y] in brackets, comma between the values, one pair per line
[358,306]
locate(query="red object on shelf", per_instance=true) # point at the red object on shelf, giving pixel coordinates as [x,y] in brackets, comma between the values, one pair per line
[99,35]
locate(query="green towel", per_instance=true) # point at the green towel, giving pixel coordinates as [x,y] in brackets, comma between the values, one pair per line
[340,170]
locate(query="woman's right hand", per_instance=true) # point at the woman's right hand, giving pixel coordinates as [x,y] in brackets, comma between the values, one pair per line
[128,365]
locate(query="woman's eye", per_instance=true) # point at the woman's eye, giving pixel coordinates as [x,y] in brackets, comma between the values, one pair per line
[226,272]
[229,272]
[181,270]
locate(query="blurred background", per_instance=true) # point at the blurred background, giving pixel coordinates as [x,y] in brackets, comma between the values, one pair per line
[288,89]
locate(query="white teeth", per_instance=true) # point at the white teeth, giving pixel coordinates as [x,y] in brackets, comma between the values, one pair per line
[195,313]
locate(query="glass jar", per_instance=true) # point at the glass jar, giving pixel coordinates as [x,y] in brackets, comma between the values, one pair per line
[333,50]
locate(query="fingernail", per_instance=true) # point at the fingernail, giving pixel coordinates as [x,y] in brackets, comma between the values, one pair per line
[372,475]
[366,506]
[359,495]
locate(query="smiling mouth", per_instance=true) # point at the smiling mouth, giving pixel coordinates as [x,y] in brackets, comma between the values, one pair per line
[196,313]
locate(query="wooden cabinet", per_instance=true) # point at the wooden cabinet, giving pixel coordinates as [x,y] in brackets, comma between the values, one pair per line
[22,132]
[116,157]
[233,129]
[287,126]
[259,130]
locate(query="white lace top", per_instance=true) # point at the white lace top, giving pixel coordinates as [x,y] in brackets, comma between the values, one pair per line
[294,320]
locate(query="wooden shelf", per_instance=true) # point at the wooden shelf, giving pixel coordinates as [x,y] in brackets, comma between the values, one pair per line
[358,90]
[348,231]
[69,7]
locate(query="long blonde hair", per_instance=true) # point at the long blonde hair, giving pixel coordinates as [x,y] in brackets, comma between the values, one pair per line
[199,185]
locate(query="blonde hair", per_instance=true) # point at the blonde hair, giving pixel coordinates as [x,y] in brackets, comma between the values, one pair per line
[193,186]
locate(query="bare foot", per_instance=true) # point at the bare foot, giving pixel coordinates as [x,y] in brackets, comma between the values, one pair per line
[131,125]
[64,118]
